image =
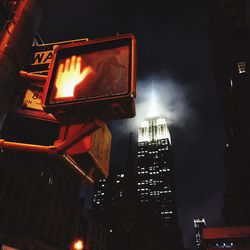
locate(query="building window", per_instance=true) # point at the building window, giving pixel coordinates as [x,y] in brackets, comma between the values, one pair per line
[241,67]
[50,181]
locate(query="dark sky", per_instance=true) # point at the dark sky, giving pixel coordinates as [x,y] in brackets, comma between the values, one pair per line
[173,54]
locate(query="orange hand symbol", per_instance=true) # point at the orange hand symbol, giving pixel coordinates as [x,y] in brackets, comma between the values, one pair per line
[69,75]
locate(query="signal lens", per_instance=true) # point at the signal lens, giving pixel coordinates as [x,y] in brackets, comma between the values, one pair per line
[91,75]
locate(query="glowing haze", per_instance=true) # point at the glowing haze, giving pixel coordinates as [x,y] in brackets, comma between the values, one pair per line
[168,100]
[160,97]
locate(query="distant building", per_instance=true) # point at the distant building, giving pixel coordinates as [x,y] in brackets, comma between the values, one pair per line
[234,238]
[230,55]
[110,206]
[155,176]
[99,199]
[199,224]
[109,192]
[129,225]
[92,231]
[155,170]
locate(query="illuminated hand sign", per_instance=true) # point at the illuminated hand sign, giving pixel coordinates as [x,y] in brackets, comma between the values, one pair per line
[94,78]
[69,75]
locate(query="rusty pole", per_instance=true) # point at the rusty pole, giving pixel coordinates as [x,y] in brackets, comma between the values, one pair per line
[59,148]
[15,45]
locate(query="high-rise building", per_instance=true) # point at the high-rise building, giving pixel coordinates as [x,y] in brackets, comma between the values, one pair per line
[91,229]
[98,200]
[230,54]
[155,182]
[199,224]
[109,192]
[132,224]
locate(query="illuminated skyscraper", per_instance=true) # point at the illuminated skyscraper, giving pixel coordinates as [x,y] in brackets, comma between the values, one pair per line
[155,184]
[199,224]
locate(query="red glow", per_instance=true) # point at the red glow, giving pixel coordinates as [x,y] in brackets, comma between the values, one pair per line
[70,73]
[81,147]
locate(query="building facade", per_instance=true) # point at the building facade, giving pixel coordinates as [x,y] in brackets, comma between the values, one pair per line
[92,231]
[199,224]
[111,208]
[39,196]
[156,181]
[155,173]
[230,55]
[109,192]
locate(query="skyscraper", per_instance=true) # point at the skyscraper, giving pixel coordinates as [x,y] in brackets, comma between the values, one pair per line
[230,56]
[155,182]
[199,224]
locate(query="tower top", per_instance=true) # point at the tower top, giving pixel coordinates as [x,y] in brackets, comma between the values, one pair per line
[153,129]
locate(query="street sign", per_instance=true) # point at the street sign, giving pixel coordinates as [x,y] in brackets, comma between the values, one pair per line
[41,56]
[32,97]
[28,103]
[92,153]
[92,78]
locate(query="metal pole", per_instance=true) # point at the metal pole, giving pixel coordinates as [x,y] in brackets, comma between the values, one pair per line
[59,148]
[16,146]
[69,161]
[15,46]
[32,76]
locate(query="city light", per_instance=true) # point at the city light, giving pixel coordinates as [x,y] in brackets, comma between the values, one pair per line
[78,245]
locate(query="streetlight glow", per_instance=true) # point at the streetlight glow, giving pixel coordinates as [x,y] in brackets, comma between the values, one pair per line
[78,245]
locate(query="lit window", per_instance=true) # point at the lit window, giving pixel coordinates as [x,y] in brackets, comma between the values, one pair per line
[50,181]
[241,67]
[231,83]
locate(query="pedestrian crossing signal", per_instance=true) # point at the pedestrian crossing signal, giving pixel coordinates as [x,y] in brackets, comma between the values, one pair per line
[92,78]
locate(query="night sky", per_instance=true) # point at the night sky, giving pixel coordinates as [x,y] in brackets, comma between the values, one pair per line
[173,56]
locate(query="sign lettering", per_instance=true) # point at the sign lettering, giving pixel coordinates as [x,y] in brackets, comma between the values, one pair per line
[42,57]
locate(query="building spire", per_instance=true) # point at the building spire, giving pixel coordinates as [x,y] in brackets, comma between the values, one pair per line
[153,105]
